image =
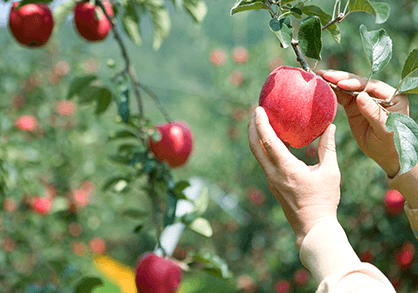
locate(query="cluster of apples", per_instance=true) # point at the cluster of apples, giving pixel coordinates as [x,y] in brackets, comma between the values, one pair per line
[32,24]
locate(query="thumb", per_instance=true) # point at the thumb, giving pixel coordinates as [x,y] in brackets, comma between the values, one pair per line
[326,149]
[372,112]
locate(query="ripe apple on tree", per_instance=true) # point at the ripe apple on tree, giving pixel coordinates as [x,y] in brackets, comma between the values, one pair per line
[155,274]
[90,21]
[26,123]
[299,105]
[175,145]
[31,24]
[41,205]
[394,202]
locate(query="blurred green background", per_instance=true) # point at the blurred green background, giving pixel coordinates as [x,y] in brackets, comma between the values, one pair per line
[260,250]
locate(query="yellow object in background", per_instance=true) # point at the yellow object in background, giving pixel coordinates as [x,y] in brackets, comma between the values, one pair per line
[116,272]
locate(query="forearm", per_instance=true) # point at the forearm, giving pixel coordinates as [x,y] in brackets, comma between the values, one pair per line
[407,185]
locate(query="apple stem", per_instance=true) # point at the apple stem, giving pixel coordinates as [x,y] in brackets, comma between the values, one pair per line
[299,57]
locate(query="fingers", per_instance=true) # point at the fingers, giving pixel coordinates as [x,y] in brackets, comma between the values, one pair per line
[271,151]
[372,112]
[326,149]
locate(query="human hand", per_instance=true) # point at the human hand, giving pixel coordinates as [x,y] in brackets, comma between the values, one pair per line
[367,120]
[306,194]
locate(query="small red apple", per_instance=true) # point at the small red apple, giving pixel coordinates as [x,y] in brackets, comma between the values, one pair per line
[175,145]
[282,286]
[240,55]
[26,123]
[41,205]
[31,24]
[65,108]
[301,276]
[405,255]
[97,245]
[236,78]
[299,105]
[217,57]
[90,21]
[10,205]
[155,274]
[394,202]
[367,256]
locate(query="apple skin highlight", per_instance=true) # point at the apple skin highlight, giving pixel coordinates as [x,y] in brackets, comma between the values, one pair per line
[299,104]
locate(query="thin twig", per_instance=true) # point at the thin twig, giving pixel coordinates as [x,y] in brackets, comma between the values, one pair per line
[299,56]
[153,96]
[338,19]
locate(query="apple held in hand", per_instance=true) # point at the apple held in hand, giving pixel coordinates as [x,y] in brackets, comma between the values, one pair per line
[300,105]
[91,22]
[175,145]
[155,274]
[31,24]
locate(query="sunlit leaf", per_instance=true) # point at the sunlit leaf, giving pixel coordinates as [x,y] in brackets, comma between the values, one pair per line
[245,5]
[202,227]
[379,10]
[283,32]
[411,64]
[87,284]
[197,9]
[409,86]
[310,37]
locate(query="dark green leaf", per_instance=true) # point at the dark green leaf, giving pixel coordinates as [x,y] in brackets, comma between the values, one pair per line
[180,186]
[137,158]
[170,213]
[89,94]
[334,30]
[296,12]
[197,9]
[378,48]
[409,86]
[103,100]
[405,132]
[79,84]
[138,228]
[24,2]
[87,284]
[123,108]
[123,134]
[283,32]
[411,64]
[202,227]
[310,37]
[134,214]
[130,22]
[244,5]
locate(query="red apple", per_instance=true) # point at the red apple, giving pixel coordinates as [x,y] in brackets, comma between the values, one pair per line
[394,202]
[41,205]
[26,123]
[65,108]
[175,145]
[236,78]
[301,276]
[97,245]
[155,274]
[31,24]
[217,57]
[406,255]
[90,21]
[299,104]
[282,286]
[240,55]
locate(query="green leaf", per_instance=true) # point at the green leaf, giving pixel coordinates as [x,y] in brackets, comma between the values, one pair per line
[212,261]
[24,2]
[90,93]
[244,5]
[378,48]
[283,32]
[409,86]
[170,213]
[103,100]
[202,227]
[138,228]
[87,284]
[114,180]
[130,22]
[405,132]
[177,190]
[310,37]
[411,63]
[201,204]
[161,22]
[134,214]
[313,10]
[79,84]
[61,13]
[379,10]
[122,134]
[197,9]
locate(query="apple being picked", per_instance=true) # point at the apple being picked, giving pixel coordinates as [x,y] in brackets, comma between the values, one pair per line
[175,145]
[155,274]
[300,105]
[31,24]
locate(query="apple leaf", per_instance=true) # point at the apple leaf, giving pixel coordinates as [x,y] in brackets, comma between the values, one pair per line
[24,2]
[405,131]
[170,212]
[122,134]
[411,63]
[90,93]
[310,37]
[213,263]
[61,13]
[122,99]
[113,181]
[87,284]
[378,48]
[409,86]
[201,204]
[244,5]
[134,214]
[104,98]
[325,18]
[79,84]
[177,190]
[197,9]
[379,10]
[130,22]
[282,30]
[202,227]
[160,21]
